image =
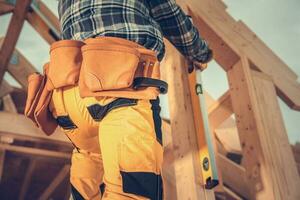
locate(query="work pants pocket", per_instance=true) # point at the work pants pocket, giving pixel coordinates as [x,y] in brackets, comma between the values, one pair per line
[140,160]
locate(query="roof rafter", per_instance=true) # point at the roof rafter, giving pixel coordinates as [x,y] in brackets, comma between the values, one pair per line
[230,39]
[5,8]
[12,34]
[25,128]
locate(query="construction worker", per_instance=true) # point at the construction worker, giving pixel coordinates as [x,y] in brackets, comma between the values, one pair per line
[116,129]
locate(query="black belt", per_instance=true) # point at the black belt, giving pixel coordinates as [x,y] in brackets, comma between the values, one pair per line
[150,82]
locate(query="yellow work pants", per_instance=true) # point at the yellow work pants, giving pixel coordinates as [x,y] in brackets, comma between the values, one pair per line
[118,145]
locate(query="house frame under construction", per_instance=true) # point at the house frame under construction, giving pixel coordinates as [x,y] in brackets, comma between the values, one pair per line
[254,159]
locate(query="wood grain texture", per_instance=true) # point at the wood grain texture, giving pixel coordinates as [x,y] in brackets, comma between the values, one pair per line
[229,37]
[12,34]
[185,150]
[18,125]
[253,101]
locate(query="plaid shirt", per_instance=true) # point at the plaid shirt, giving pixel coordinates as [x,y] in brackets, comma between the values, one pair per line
[143,21]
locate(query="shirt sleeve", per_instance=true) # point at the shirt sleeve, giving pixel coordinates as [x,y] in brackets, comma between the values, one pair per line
[177,27]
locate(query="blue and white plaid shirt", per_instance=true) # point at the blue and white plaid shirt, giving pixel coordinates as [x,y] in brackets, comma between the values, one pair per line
[143,21]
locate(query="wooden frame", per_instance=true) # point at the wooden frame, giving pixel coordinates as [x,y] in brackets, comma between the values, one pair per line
[13,31]
[252,70]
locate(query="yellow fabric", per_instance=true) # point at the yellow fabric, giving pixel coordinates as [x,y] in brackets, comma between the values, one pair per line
[87,174]
[124,139]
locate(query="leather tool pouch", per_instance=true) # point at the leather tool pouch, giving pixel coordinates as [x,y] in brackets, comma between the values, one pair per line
[36,83]
[42,114]
[37,102]
[65,63]
[109,67]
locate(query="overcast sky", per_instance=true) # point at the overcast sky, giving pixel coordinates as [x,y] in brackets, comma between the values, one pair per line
[276,22]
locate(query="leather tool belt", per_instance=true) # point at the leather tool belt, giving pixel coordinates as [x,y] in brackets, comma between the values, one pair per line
[103,66]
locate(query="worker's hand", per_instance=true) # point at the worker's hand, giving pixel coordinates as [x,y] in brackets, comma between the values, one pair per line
[200,65]
[196,65]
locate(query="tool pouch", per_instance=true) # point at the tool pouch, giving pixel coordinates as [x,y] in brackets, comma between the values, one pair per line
[42,115]
[109,67]
[36,83]
[37,102]
[65,63]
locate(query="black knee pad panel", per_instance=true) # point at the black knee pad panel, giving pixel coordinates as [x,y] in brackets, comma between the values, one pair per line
[145,184]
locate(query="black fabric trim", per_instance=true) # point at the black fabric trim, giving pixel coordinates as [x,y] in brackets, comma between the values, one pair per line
[98,112]
[156,118]
[65,122]
[102,189]
[75,194]
[146,184]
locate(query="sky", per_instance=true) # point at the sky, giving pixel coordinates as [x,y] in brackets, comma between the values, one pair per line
[276,22]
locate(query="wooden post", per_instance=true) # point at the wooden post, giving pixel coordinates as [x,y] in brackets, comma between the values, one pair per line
[5,88]
[2,158]
[227,37]
[267,157]
[186,158]
[27,179]
[55,183]
[12,34]
[5,8]
[9,105]
[220,110]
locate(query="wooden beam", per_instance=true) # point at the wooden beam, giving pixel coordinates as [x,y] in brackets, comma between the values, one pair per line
[168,170]
[247,127]
[12,34]
[296,152]
[9,105]
[5,8]
[228,37]
[20,69]
[19,98]
[2,159]
[220,111]
[27,179]
[5,88]
[234,176]
[186,158]
[68,195]
[44,22]
[35,151]
[262,135]
[41,27]
[229,138]
[231,194]
[205,15]
[274,139]
[16,125]
[49,15]
[167,133]
[55,183]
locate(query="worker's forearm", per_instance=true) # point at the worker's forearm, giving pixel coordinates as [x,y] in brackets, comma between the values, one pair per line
[178,28]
